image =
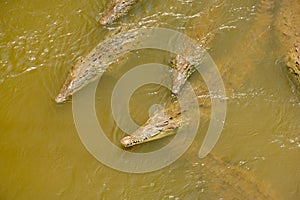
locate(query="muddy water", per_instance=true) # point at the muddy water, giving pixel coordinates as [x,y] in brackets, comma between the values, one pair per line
[41,154]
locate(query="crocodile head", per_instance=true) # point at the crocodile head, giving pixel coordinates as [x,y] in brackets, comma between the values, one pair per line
[182,71]
[65,91]
[77,79]
[117,9]
[161,124]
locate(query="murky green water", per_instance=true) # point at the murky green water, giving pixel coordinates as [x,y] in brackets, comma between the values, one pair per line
[41,155]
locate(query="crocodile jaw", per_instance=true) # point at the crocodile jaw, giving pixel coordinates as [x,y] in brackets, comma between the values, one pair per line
[158,126]
[139,137]
[74,83]
[79,76]
[66,91]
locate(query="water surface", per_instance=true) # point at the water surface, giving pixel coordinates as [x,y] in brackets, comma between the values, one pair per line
[41,154]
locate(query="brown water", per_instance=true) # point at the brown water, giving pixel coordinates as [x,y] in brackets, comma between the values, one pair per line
[41,155]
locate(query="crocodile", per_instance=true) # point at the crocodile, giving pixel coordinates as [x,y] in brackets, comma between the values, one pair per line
[90,67]
[108,51]
[204,35]
[115,10]
[288,34]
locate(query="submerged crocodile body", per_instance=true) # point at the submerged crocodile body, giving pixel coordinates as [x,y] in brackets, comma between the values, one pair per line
[288,33]
[223,180]
[115,10]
